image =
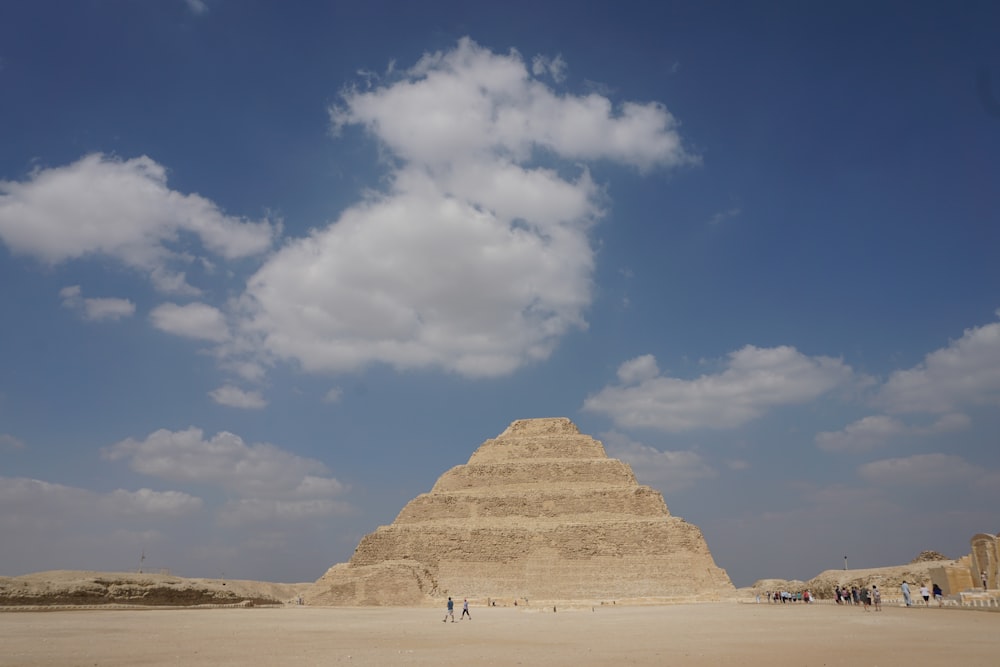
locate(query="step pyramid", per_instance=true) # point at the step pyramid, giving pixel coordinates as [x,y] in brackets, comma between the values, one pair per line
[539,513]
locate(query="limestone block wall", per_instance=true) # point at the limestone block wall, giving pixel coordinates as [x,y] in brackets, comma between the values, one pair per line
[953,579]
[561,504]
[538,447]
[538,512]
[535,473]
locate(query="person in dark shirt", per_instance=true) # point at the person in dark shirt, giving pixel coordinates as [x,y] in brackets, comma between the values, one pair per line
[451,611]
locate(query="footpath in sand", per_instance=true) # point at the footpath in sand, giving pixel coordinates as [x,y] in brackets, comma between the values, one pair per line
[699,634]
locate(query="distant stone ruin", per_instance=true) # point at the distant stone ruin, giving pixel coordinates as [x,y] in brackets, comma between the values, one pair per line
[929,557]
[970,581]
[985,560]
[539,513]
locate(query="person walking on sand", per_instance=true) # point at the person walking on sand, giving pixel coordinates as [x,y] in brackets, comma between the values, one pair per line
[876,598]
[939,595]
[465,609]
[906,593]
[925,593]
[451,611]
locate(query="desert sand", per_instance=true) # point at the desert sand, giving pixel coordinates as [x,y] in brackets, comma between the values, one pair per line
[724,633]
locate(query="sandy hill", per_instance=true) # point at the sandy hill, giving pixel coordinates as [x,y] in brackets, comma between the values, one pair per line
[72,587]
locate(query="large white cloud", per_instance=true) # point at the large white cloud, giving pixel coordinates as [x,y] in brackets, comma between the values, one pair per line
[965,373]
[754,381]
[467,102]
[105,206]
[962,376]
[270,483]
[225,460]
[476,260]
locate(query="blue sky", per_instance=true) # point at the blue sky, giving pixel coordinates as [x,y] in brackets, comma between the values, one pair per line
[268,269]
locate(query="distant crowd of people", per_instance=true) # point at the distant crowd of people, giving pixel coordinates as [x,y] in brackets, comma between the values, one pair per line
[864,596]
[784,597]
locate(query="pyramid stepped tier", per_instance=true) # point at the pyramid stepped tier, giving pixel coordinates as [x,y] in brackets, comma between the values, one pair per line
[535,473]
[511,505]
[540,513]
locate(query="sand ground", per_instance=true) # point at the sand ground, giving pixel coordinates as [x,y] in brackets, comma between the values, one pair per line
[699,634]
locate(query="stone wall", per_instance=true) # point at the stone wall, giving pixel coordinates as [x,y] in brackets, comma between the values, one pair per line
[953,578]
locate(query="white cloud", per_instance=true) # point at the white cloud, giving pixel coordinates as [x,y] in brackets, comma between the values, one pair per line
[666,470]
[334,395]
[192,320]
[151,503]
[938,474]
[235,397]
[46,504]
[638,370]
[554,67]
[951,422]
[34,505]
[123,209]
[469,102]
[862,435]
[249,370]
[476,260]
[754,381]
[72,296]
[96,309]
[254,471]
[108,308]
[965,373]
[875,430]
[197,6]
[420,280]
[933,470]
